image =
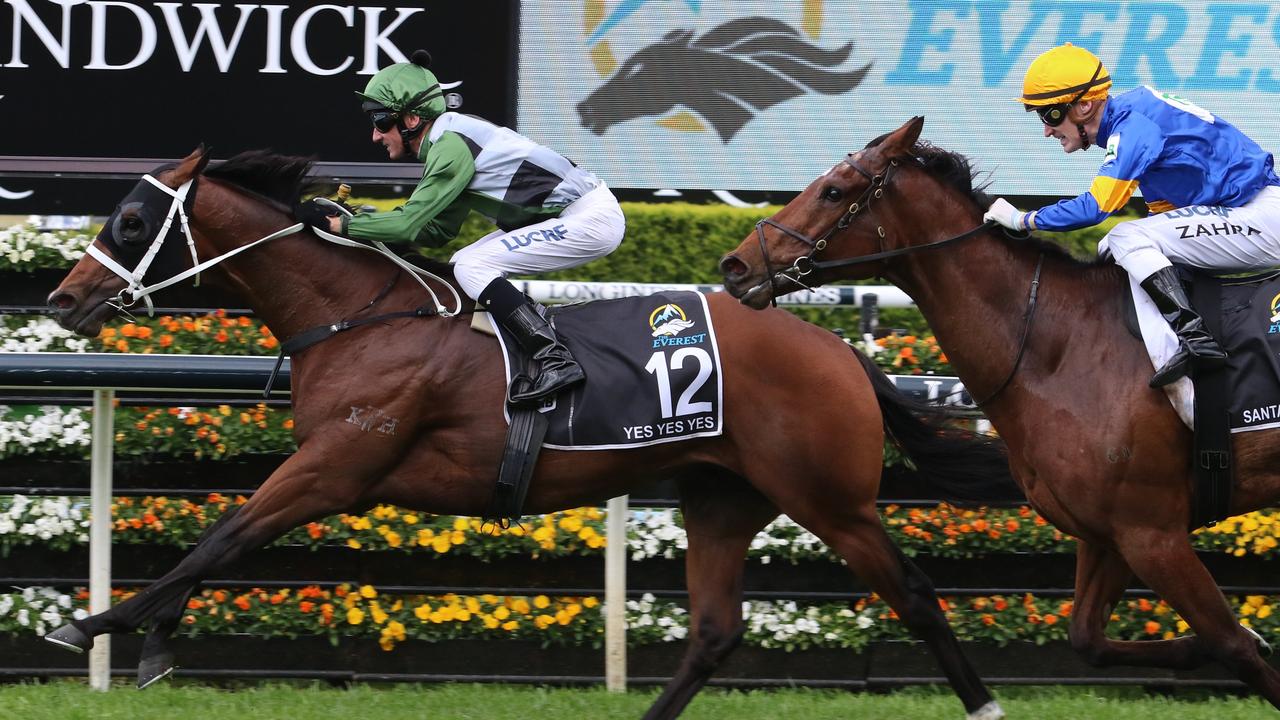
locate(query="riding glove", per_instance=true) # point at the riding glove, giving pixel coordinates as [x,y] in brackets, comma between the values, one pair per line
[314,214]
[1003,213]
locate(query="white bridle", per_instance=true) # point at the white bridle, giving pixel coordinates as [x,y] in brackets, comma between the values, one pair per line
[137,291]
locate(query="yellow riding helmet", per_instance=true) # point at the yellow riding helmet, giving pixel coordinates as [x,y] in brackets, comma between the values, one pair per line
[1065,74]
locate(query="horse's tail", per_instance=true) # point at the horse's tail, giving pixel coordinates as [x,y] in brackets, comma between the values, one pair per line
[962,465]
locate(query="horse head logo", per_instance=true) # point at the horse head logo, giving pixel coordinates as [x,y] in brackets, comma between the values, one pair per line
[727,76]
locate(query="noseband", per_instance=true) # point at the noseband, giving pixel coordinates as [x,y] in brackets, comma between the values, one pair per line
[808,264]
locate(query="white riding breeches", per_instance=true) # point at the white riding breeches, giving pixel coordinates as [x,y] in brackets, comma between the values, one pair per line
[1227,240]
[590,227]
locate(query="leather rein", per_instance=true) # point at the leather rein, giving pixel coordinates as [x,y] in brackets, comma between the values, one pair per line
[808,264]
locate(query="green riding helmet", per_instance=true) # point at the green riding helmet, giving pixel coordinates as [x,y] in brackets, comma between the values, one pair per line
[406,88]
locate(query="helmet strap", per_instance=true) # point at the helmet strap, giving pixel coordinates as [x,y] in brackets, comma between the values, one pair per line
[408,135]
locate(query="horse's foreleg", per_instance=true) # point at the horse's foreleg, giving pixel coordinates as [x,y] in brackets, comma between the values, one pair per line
[1169,566]
[720,520]
[301,489]
[1101,577]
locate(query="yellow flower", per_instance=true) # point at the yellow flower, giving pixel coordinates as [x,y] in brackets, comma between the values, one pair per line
[541,601]
[393,539]
[368,591]
[460,523]
[564,617]
[353,543]
[422,612]
[441,544]
[510,625]
[490,622]
[502,613]
[572,524]
[590,602]
[410,519]
[224,410]
[473,605]
[379,615]
[542,622]
[520,605]
[1264,611]
[355,616]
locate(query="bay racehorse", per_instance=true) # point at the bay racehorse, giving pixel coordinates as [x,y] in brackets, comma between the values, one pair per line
[1040,338]
[803,435]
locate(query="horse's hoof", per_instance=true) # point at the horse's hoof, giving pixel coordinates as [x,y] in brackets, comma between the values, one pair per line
[1264,647]
[156,667]
[990,711]
[70,637]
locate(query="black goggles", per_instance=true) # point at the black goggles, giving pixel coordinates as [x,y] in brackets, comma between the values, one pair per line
[384,120]
[1053,115]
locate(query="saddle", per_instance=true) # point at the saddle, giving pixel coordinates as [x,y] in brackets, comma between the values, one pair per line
[1243,315]
[653,376]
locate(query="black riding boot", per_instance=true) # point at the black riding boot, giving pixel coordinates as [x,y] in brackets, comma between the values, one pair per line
[1197,350]
[555,369]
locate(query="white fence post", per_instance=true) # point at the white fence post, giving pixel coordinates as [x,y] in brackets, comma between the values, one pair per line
[615,596]
[100,531]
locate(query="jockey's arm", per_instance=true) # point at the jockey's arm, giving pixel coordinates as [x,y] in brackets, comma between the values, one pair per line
[1132,147]
[448,170]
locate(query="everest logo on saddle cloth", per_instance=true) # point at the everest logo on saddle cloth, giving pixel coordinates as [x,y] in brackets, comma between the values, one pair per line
[653,373]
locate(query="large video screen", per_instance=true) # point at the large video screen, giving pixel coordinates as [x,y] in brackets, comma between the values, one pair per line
[766,95]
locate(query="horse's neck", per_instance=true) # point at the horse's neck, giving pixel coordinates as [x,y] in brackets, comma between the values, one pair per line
[976,297]
[299,282]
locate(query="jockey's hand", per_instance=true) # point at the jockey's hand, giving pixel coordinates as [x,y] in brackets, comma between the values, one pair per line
[1003,213]
[315,215]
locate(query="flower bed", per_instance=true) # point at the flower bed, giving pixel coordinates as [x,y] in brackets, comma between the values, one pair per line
[62,523]
[364,612]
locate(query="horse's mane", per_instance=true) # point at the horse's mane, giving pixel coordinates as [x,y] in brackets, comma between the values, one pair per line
[955,170]
[276,177]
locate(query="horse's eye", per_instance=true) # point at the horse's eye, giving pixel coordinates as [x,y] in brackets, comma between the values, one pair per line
[131,227]
[832,193]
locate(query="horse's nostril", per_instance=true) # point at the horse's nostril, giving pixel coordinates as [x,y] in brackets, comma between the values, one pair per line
[61,301]
[731,266]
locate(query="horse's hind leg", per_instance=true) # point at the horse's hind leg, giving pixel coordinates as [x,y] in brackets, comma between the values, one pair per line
[1101,577]
[304,488]
[855,533]
[721,516]
[1169,566]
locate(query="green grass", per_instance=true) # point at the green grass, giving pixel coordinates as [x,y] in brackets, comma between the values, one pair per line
[72,700]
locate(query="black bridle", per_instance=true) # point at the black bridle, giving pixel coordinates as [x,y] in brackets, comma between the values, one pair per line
[808,264]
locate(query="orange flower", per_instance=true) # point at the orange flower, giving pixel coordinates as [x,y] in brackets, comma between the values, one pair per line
[315,530]
[195,604]
[1152,627]
[122,346]
[219,596]
[242,602]
[306,606]
[221,336]
[166,340]
[1050,619]
[129,330]
[245,321]
[144,332]
[988,619]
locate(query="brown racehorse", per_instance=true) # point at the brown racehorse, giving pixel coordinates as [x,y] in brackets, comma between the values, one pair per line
[1098,453]
[803,436]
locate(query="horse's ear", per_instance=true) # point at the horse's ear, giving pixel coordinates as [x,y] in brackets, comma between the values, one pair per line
[192,165]
[901,141]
